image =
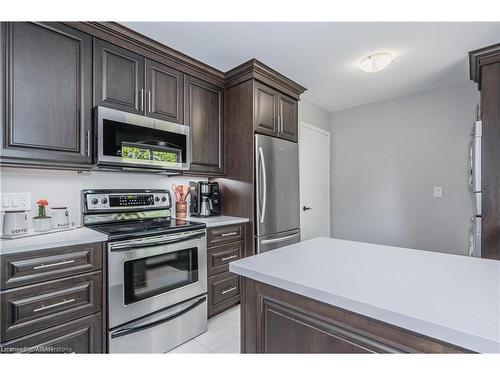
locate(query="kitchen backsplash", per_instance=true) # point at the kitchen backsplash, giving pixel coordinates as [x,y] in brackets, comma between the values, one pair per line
[63,188]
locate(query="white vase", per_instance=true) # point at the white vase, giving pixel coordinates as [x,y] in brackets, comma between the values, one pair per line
[42,224]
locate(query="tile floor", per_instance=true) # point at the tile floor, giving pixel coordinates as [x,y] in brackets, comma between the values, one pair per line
[223,335]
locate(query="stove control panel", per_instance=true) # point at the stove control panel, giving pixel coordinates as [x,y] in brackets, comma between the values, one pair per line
[119,201]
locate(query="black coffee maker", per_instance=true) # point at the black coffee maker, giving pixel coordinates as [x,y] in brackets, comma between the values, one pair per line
[205,198]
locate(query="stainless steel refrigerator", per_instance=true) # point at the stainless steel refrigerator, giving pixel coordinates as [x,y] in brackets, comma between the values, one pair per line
[277,205]
[475,186]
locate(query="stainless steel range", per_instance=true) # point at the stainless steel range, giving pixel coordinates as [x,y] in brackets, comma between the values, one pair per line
[157,281]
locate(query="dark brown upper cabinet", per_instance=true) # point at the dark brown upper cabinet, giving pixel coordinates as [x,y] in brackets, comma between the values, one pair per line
[46,79]
[118,78]
[204,105]
[275,113]
[265,109]
[164,92]
[287,118]
[127,81]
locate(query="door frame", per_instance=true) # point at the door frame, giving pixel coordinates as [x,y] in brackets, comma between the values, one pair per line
[303,124]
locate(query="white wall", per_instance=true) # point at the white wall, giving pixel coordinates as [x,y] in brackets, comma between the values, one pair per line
[386,159]
[315,115]
[63,188]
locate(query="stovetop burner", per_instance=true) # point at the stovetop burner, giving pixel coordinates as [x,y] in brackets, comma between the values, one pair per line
[144,228]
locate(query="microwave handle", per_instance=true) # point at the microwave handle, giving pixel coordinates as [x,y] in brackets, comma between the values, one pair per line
[130,246]
[133,329]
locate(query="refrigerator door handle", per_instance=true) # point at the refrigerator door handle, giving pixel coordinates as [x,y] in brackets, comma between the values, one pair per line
[274,240]
[263,169]
[471,239]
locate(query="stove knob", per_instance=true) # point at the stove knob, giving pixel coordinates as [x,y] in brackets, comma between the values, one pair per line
[157,199]
[163,199]
[94,201]
[104,200]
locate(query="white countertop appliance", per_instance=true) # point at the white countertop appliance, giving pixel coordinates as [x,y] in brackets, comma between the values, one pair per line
[474,169]
[157,270]
[15,223]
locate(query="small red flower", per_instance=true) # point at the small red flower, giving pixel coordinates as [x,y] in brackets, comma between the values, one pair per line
[42,202]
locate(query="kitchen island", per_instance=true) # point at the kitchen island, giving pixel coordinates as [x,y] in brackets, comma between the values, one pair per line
[330,295]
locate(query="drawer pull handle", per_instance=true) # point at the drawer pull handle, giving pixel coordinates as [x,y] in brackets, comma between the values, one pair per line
[229,257]
[64,302]
[229,290]
[229,234]
[41,266]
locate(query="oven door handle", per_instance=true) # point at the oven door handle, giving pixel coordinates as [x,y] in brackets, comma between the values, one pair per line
[133,245]
[132,329]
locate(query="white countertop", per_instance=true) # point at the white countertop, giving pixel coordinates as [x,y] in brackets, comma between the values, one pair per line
[45,241]
[448,297]
[218,221]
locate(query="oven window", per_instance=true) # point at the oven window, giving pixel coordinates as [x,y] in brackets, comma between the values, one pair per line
[148,277]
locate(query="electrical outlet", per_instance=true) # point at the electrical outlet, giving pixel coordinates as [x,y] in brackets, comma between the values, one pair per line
[438,191]
[15,202]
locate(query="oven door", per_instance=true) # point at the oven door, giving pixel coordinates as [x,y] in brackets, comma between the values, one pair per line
[150,274]
[134,141]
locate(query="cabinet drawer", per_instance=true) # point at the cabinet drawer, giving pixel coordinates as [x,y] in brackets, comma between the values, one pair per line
[219,257]
[223,292]
[41,265]
[225,234]
[33,308]
[78,336]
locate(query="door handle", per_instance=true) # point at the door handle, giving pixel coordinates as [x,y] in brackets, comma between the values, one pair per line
[88,143]
[149,101]
[305,208]
[41,266]
[276,240]
[141,94]
[263,165]
[229,257]
[63,302]
[229,234]
[232,289]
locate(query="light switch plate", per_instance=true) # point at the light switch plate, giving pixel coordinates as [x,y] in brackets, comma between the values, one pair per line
[15,202]
[438,191]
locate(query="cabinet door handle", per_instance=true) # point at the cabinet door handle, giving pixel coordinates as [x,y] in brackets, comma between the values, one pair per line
[42,266]
[88,142]
[229,290]
[229,234]
[149,101]
[63,302]
[229,257]
[141,99]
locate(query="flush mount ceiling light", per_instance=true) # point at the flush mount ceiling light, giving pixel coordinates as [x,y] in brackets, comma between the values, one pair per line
[376,62]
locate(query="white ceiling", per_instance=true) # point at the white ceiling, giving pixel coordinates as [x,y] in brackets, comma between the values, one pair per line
[322,56]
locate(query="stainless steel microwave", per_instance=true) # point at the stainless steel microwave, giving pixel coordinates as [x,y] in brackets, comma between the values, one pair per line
[132,141]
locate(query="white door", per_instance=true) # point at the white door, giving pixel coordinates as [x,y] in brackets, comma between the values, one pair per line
[314,164]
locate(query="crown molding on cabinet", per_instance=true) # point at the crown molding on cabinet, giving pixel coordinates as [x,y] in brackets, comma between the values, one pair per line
[481,57]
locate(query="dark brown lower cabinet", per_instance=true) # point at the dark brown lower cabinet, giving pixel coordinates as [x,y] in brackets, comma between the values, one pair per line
[51,303]
[78,336]
[223,293]
[278,321]
[224,245]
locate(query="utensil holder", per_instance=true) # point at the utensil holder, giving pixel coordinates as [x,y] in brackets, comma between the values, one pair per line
[180,209]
